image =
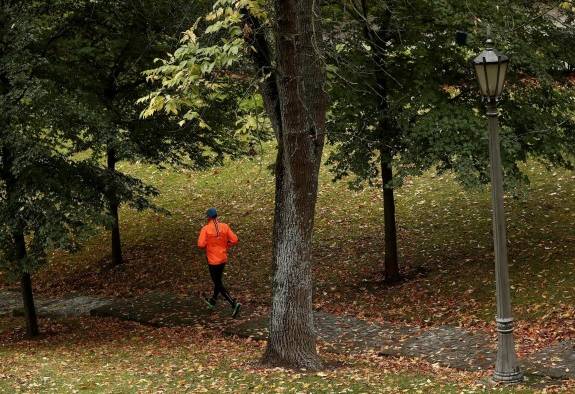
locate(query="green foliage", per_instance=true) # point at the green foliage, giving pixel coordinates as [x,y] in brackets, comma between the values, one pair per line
[400,81]
[208,80]
[44,194]
[103,56]
[70,73]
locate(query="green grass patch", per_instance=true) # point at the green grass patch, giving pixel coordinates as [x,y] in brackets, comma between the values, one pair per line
[446,258]
[444,238]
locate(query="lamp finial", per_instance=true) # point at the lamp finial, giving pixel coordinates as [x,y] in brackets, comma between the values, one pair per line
[489,41]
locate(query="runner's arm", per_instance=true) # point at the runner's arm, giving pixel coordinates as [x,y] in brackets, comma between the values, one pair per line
[202,239]
[232,237]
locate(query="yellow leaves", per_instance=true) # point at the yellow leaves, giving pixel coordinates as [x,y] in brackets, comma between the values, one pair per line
[155,105]
[229,10]
[189,35]
[171,107]
[223,14]
[158,103]
[452,90]
[568,6]
[212,16]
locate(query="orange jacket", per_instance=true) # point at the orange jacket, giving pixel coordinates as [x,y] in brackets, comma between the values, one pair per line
[216,238]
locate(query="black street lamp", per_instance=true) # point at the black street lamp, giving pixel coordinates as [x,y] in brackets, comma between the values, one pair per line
[491,69]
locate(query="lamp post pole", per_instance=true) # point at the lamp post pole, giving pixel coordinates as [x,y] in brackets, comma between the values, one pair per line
[491,69]
[506,367]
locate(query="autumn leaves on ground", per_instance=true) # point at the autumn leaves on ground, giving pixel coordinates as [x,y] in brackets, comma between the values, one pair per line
[446,260]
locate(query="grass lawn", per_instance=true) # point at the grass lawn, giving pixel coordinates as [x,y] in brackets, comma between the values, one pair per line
[107,356]
[446,257]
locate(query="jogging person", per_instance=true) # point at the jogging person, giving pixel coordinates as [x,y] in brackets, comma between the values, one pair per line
[217,237]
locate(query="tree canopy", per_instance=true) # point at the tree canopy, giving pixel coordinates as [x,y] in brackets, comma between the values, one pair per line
[406,54]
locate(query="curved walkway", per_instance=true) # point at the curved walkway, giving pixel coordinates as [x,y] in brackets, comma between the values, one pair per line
[445,345]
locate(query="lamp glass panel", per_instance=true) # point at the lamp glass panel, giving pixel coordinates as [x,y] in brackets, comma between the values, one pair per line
[480,71]
[492,80]
[501,81]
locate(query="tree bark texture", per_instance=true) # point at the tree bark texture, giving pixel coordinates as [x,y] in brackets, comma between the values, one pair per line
[114,205]
[26,288]
[391,263]
[32,329]
[302,104]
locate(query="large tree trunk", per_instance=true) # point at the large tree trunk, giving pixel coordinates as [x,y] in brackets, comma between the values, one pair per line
[302,102]
[114,207]
[26,287]
[391,263]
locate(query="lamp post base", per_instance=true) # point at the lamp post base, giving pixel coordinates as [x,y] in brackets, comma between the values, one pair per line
[506,368]
[510,377]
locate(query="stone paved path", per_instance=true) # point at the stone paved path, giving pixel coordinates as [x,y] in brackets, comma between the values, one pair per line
[447,346]
[452,347]
[556,361]
[166,310]
[11,304]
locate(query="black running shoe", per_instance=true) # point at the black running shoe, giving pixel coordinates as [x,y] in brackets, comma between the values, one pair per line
[236,309]
[210,301]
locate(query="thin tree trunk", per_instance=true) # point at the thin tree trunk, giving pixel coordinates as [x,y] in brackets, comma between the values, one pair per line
[19,245]
[386,133]
[391,262]
[292,341]
[254,35]
[26,288]
[117,258]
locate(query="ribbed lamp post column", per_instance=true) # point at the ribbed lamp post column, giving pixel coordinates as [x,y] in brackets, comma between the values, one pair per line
[491,68]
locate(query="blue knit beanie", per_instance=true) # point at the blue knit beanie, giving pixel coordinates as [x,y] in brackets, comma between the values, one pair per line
[212,213]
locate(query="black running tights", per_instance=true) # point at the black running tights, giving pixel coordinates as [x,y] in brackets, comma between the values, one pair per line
[216,272]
